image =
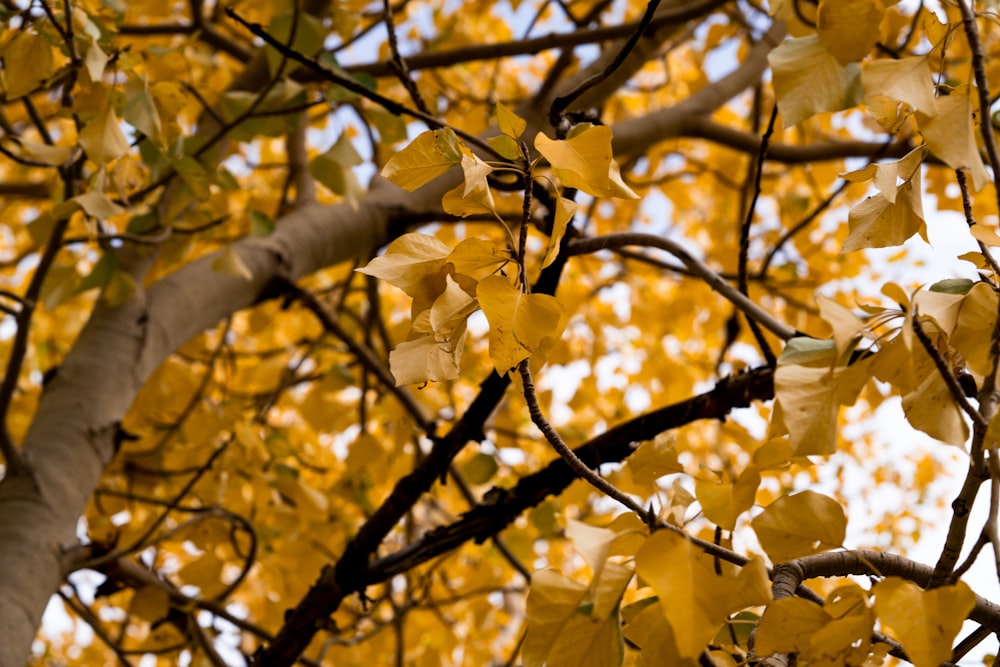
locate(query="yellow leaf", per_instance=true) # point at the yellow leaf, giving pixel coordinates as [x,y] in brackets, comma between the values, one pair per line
[474,196]
[97,205]
[453,307]
[140,110]
[585,162]
[27,63]
[654,459]
[974,327]
[906,80]
[924,622]
[333,170]
[477,258]
[695,600]
[809,394]
[510,123]
[723,502]
[559,633]
[849,29]
[519,322]
[428,358]
[847,327]
[987,236]
[409,261]
[565,210]
[951,135]
[879,223]
[230,263]
[205,572]
[886,176]
[788,626]
[800,525]
[932,408]
[102,138]
[428,156]
[808,79]
[150,603]
[44,153]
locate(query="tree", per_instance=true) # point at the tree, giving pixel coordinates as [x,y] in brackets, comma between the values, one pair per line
[506,401]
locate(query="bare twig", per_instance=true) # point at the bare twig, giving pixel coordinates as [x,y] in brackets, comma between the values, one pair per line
[696,266]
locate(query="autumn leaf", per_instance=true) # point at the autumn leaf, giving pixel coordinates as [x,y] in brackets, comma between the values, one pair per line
[800,525]
[950,134]
[519,322]
[428,156]
[724,502]
[559,633]
[334,170]
[907,80]
[924,622]
[102,138]
[695,600]
[808,79]
[28,62]
[584,161]
[849,29]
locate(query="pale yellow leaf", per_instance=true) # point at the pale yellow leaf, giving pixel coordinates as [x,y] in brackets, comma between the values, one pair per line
[788,626]
[510,123]
[452,308]
[810,397]
[102,138]
[409,261]
[800,525]
[44,153]
[906,80]
[950,134]
[724,502]
[585,162]
[565,210]
[932,408]
[924,622]
[98,205]
[879,223]
[519,322]
[808,80]
[654,459]
[695,600]
[428,156]
[428,358]
[28,62]
[477,258]
[984,234]
[849,29]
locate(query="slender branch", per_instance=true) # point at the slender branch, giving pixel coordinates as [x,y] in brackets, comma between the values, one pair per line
[947,375]
[561,103]
[353,86]
[530,46]
[567,455]
[758,173]
[696,266]
[501,506]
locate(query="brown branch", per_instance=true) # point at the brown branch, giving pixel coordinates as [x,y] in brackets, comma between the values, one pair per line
[501,506]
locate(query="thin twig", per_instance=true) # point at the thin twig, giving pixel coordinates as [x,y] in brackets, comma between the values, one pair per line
[696,266]
[571,459]
[561,103]
[353,86]
[743,286]
[947,375]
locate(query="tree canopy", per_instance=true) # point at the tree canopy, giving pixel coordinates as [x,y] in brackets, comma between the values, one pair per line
[497,332]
